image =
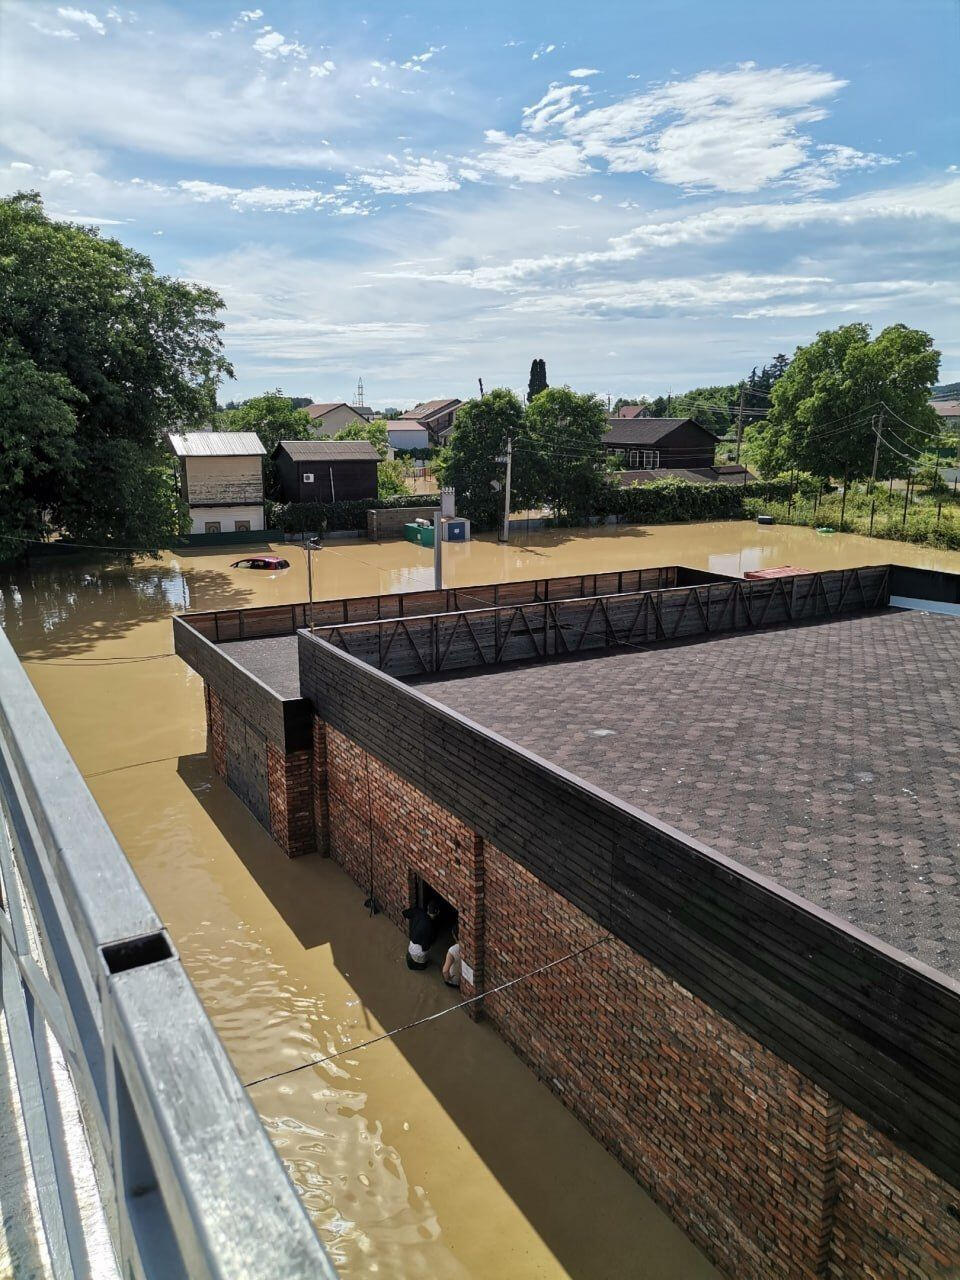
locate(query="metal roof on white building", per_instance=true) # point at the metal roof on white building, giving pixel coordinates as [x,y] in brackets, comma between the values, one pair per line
[216,444]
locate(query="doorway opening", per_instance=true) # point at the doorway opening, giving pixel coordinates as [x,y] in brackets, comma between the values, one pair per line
[422,893]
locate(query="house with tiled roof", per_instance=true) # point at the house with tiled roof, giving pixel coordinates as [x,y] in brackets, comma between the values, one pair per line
[651,443]
[436,416]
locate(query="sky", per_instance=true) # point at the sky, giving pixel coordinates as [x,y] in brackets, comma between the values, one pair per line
[650,195]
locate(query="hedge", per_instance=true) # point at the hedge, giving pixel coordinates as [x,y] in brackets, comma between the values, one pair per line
[675,501]
[299,517]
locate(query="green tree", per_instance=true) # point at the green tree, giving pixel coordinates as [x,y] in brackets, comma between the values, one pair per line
[99,358]
[538,379]
[273,418]
[471,464]
[375,432]
[563,433]
[823,408]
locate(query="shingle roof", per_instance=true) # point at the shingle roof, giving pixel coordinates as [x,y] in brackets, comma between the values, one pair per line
[428,409]
[947,408]
[328,450]
[318,410]
[645,430]
[216,444]
[692,475]
[631,411]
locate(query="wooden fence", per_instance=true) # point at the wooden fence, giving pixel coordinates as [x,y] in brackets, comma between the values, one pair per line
[221,625]
[476,636]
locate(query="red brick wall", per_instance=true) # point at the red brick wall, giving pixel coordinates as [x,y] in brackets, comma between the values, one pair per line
[760,1166]
[737,1145]
[321,814]
[409,834]
[894,1219]
[216,733]
[290,792]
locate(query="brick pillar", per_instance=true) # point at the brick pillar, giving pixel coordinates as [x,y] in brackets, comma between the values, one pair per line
[216,733]
[321,805]
[291,803]
[471,932]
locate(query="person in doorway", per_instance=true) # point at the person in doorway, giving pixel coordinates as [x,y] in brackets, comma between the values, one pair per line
[422,933]
[451,965]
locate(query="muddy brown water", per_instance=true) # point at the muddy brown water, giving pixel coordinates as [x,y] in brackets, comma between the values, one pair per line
[436,1153]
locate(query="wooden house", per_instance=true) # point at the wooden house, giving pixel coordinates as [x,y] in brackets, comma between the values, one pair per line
[220,477]
[326,470]
[651,443]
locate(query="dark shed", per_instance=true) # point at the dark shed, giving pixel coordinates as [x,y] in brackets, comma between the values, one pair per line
[326,470]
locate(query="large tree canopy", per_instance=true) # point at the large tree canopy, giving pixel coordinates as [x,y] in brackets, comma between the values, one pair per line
[99,357]
[824,408]
[471,462]
[562,438]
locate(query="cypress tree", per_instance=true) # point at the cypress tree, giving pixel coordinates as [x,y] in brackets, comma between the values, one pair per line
[538,378]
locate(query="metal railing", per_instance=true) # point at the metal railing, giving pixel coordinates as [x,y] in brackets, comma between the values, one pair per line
[191,1185]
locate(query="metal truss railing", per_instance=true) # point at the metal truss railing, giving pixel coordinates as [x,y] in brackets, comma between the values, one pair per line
[191,1185]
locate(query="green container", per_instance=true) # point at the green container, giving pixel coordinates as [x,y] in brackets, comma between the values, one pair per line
[422,535]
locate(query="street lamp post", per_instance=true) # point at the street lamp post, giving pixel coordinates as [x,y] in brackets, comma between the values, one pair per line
[309,548]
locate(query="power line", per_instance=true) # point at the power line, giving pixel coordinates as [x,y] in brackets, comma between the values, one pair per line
[430,1017]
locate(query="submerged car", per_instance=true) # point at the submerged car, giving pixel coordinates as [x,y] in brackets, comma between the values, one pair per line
[261,562]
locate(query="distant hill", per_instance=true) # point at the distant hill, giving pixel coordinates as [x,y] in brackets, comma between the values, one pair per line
[947,391]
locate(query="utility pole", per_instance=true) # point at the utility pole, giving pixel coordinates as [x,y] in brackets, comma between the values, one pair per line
[438,550]
[740,422]
[878,432]
[505,531]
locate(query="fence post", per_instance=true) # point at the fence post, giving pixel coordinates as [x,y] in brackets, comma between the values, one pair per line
[873,508]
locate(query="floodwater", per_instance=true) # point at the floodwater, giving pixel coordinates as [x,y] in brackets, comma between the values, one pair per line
[433,1154]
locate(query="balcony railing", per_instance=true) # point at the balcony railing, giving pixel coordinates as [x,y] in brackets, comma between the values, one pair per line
[192,1187]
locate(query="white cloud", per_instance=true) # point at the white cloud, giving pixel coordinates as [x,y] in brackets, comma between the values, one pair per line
[85,18]
[580,72]
[556,107]
[58,33]
[271,199]
[271,44]
[414,177]
[324,69]
[542,51]
[927,203]
[737,131]
[527,159]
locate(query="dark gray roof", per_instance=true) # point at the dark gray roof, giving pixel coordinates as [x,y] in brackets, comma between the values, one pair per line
[646,430]
[824,756]
[692,475]
[328,450]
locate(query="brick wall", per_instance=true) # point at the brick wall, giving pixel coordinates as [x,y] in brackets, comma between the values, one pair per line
[894,1219]
[290,793]
[737,1145]
[216,733]
[762,1167]
[382,829]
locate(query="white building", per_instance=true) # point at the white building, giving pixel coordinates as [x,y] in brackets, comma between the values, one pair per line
[404,435]
[221,479]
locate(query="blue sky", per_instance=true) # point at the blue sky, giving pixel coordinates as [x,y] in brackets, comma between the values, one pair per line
[649,195]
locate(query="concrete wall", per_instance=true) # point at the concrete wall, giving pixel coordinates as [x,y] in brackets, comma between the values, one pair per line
[389,522]
[227,518]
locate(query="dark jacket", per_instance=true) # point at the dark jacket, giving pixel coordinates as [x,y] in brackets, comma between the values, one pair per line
[423,930]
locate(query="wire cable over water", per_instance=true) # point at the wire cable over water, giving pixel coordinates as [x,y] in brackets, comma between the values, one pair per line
[430,1017]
